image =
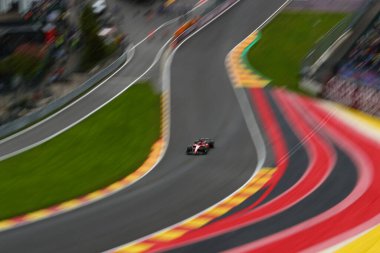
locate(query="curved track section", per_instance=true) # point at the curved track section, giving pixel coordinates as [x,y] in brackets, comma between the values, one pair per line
[134,69]
[308,205]
[300,193]
[203,103]
[323,192]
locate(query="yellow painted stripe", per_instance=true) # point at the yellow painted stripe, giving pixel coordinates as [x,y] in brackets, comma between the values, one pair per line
[268,170]
[138,248]
[196,223]
[168,3]
[70,204]
[113,187]
[363,117]
[368,243]
[252,190]
[236,200]
[217,211]
[133,177]
[263,180]
[94,195]
[241,75]
[37,215]
[169,235]
[6,224]
[202,219]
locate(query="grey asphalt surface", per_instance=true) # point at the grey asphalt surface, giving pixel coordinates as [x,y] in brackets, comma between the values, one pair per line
[296,168]
[144,56]
[104,93]
[128,14]
[203,103]
[340,182]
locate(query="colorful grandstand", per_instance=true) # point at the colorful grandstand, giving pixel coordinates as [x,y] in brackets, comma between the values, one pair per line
[362,62]
[345,66]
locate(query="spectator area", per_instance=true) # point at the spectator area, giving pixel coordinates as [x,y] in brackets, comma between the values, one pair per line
[351,74]
[362,63]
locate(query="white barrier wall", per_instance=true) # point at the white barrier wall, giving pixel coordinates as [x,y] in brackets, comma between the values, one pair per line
[24,5]
[20,123]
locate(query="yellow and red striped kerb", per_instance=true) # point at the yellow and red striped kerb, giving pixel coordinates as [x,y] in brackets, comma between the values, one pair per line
[165,236]
[75,203]
[241,75]
[154,156]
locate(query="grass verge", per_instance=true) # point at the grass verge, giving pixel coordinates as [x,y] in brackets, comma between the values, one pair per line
[285,43]
[102,149]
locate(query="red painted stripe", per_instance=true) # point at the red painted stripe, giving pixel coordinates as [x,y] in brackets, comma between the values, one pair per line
[274,134]
[360,206]
[54,209]
[322,160]
[277,141]
[19,219]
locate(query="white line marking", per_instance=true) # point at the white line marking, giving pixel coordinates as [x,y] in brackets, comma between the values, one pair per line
[107,195]
[255,133]
[131,53]
[352,239]
[158,56]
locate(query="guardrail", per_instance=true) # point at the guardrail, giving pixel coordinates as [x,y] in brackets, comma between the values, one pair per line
[210,12]
[20,123]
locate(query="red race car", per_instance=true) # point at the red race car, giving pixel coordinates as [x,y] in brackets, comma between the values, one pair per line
[200,147]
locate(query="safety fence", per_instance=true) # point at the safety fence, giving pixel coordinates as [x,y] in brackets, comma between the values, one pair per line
[353,94]
[211,11]
[20,123]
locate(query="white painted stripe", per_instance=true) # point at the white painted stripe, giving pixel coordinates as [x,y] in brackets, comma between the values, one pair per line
[365,166]
[130,52]
[350,119]
[353,234]
[254,130]
[158,56]
[111,193]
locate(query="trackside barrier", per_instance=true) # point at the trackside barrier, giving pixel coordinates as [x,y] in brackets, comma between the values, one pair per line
[323,49]
[185,27]
[211,13]
[216,11]
[353,94]
[20,123]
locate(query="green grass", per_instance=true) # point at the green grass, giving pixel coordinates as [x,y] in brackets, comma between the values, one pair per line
[285,43]
[102,149]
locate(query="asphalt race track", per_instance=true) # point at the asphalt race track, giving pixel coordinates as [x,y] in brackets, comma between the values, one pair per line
[145,56]
[203,103]
[261,223]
